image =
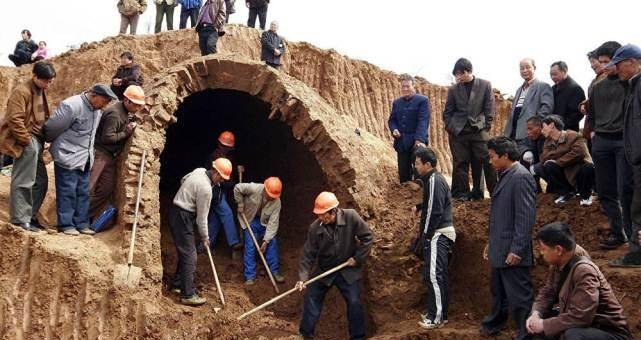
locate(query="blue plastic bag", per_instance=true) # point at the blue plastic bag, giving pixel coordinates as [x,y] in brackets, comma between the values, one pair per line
[105,220]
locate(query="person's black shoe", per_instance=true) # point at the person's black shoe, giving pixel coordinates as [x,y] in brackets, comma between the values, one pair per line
[612,242]
[630,260]
[474,196]
[28,227]
[461,197]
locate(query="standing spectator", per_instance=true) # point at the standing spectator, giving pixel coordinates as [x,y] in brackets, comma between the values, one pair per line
[512,218]
[42,53]
[165,8]
[210,25]
[565,162]
[130,11]
[114,129]
[71,131]
[468,116]
[628,63]
[613,173]
[568,95]
[534,97]
[24,49]
[126,75]
[257,8]
[273,46]
[583,107]
[21,137]
[438,234]
[230,8]
[409,124]
[188,9]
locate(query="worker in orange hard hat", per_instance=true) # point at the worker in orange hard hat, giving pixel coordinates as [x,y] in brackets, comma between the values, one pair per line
[335,237]
[331,241]
[260,204]
[221,216]
[197,191]
[117,124]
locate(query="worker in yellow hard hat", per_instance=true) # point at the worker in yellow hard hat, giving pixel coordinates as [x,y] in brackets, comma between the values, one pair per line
[116,125]
[336,236]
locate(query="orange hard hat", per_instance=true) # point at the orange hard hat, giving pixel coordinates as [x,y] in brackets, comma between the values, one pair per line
[325,201]
[273,187]
[227,139]
[135,94]
[223,166]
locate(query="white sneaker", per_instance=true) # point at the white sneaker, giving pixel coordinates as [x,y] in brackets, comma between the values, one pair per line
[72,232]
[429,324]
[562,199]
[586,202]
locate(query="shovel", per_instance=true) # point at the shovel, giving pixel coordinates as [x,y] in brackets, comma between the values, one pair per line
[213,269]
[129,275]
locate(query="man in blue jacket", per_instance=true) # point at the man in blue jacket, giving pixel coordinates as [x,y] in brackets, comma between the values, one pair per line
[188,10]
[409,123]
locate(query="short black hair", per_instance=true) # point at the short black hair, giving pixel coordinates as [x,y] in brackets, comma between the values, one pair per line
[592,55]
[44,70]
[607,49]
[504,146]
[556,120]
[536,120]
[42,42]
[461,66]
[407,77]
[426,155]
[557,234]
[127,55]
[26,31]
[561,65]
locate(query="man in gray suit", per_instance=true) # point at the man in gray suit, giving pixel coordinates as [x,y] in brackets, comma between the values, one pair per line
[512,217]
[468,115]
[534,97]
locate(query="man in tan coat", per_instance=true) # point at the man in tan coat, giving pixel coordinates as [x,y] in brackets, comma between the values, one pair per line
[21,137]
[565,164]
[588,308]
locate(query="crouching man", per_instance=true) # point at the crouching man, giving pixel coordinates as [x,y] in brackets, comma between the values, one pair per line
[190,209]
[338,235]
[588,308]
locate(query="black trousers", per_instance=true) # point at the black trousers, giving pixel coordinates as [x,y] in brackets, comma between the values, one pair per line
[207,40]
[511,290]
[590,334]
[182,223]
[436,256]
[555,175]
[471,149]
[405,165]
[191,14]
[261,12]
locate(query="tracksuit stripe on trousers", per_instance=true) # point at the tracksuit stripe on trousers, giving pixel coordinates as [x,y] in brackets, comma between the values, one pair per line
[436,274]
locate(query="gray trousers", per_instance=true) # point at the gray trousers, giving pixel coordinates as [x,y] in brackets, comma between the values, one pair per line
[29,183]
[131,21]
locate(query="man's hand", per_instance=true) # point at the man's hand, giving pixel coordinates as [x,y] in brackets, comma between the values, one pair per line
[534,324]
[241,169]
[528,157]
[116,81]
[47,145]
[300,285]
[206,242]
[414,210]
[418,143]
[247,4]
[532,170]
[396,133]
[583,107]
[485,252]
[639,236]
[351,262]
[263,247]
[129,129]
[36,129]
[276,52]
[512,259]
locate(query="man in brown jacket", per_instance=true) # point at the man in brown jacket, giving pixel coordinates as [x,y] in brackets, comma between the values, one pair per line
[565,162]
[114,130]
[209,25]
[588,308]
[126,75]
[21,137]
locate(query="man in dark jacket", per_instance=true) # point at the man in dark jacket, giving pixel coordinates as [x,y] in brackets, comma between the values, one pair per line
[565,162]
[628,63]
[337,236]
[512,217]
[409,123]
[257,8]
[468,115]
[210,25]
[126,75]
[22,138]
[613,174]
[115,128]
[588,307]
[533,147]
[568,95]
[24,49]
[273,46]
[438,235]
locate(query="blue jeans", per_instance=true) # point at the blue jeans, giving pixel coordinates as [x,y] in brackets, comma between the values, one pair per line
[185,14]
[313,304]
[221,215]
[271,254]
[72,198]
